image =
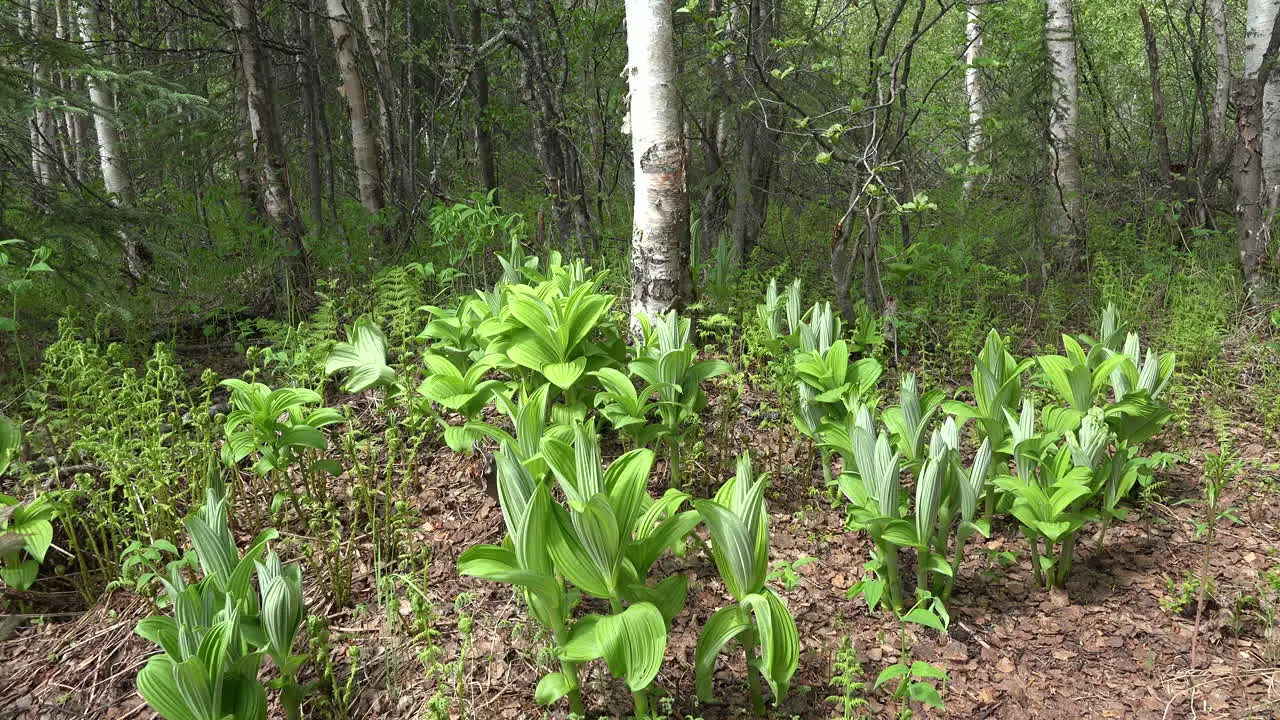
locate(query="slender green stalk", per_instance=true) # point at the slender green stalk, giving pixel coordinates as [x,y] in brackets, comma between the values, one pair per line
[922,569]
[889,564]
[1035,558]
[675,459]
[1064,559]
[826,468]
[750,641]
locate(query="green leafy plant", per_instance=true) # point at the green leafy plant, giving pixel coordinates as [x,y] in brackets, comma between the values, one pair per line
[997,387]
[213,645]
[463,391]
[604,543]
[942,518]
[26,533]
[628,410]
[916,678]
[760,620]
[10,442]
[547,331]
[847,676]
[364,357]
[523,560]
[667,361]
[275,424]
[1067,474]
[786,572]
[909,421]
[282,430]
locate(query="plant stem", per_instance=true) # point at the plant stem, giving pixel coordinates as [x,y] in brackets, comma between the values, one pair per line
[1035,559]
[674,459]
[1064,559]
[889,563]
[570,671]
[750,640]
[826,468]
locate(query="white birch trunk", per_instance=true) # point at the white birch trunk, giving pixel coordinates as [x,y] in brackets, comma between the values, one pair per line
[1260,19]
[1066,196]
[42,130]
[973,88]
[115,177]
[1222,80]
[115,174]
[364,145]
[660,272]
[1252,236]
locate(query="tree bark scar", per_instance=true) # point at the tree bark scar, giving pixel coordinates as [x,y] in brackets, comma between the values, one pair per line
[663,157]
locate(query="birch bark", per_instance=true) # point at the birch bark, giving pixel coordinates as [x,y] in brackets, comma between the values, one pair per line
[660,273]
[1066,193]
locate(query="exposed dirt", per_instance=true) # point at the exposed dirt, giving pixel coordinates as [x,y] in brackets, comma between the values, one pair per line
[1105,648]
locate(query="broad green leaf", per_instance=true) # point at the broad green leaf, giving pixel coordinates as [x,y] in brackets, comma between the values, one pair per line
[632,644]
[158,686]
[893,672]
[925,693]
[551,688]
[732,548]
[779,641]
[564,375]
[724,625]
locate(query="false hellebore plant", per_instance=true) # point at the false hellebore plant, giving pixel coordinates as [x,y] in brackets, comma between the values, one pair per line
[221,628]
[667,361]
[945,504]
[604,543]
[760,621]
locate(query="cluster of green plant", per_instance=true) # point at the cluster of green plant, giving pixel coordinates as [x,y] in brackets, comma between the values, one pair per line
[544,336]
[283,431]
[1074,463]
[26,529]
[830,385]
[603,541]
[120,433]
[213,645]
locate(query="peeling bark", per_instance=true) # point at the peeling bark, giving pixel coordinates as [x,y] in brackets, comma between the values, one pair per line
[1066,192]
[268,145]
[364,144]
[660,273]
[973,89]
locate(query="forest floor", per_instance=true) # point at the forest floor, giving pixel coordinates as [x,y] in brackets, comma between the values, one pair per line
[1105,648]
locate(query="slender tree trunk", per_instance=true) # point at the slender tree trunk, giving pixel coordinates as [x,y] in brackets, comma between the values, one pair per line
[551,143]
[364,144]
[759,147]
[480,91]
[973,90]
[1158,128]
[715,139]
[844,249]
[111,158]
[43,150]
[388,119]
[660,277]
[246,166]
[1252,234]
[1066,193]
[307,80]
[1261,19]
[1215,147]
[268,145]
